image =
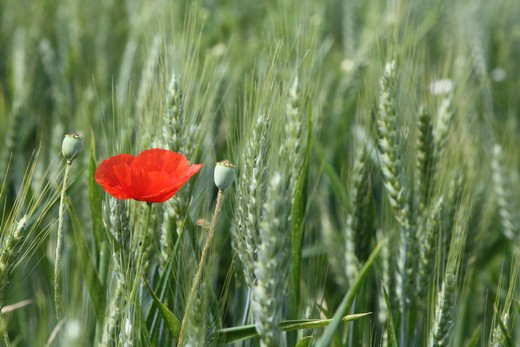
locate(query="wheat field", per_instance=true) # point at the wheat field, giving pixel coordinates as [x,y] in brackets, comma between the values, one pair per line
[369,197]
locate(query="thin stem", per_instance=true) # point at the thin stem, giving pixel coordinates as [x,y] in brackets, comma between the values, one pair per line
[403,338]
[142,249]
[198,275]
[57,286]
[141,255]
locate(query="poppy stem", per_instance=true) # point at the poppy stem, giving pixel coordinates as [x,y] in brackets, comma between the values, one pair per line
[141,255]
[198,275]
[57,284]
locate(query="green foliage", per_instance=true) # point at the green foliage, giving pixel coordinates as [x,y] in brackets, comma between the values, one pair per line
[356,127]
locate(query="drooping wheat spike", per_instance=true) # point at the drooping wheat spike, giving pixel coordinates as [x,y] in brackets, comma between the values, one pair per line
[249,195]
[271,264]
[444,312]
[424,163]
[430,234]
[359,225]
[11,244]
[504,200]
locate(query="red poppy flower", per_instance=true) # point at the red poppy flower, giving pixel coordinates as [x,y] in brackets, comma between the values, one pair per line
[155,175]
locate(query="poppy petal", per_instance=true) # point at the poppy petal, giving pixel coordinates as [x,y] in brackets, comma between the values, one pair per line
[162,160]
[110,175]
[155,175]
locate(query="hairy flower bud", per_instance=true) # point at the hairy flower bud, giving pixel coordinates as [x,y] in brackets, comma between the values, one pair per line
[71,146]
[224,174]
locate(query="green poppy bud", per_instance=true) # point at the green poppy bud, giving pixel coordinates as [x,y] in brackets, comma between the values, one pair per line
[71,146]
[224,174]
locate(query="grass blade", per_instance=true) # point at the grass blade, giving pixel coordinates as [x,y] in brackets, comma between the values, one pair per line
[392,339]
[235,334]
[171,320]
[152,319]
[305,342]
[348,299]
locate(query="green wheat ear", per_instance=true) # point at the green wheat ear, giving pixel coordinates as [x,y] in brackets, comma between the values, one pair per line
[503,196]
[425,159]
[389,151]
[11,246]
[359,224]
[117,222]
[393,178]
[431,236]
[249,195]
[271,265]
[444,312]
[503,320]
[173,138]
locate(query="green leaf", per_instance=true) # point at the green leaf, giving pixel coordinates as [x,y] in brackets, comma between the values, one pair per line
[348,299]
[171,320]
[94,286]
[96,197]
[152,319]
[297,218]
[392,339]
[235,334]
[305,342]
